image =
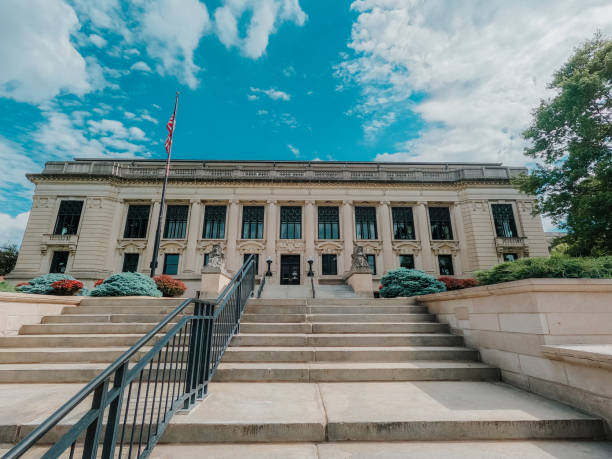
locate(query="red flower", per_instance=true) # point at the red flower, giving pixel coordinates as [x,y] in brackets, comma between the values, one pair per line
[380,286]
[66,287]
[453,283]
[98,282]
[169,286]
[21,284]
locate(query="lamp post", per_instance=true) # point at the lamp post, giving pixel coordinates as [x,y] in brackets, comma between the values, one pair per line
[269,261]
[310,262]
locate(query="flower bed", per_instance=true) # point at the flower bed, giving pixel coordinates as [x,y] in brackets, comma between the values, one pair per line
[169,286]
[454,283]
[66,286]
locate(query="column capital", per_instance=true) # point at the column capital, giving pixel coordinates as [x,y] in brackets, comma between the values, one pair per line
[422,203]
[271,201]
[347,202]
[385,202]
[195,201]
[234,201]
[309,202]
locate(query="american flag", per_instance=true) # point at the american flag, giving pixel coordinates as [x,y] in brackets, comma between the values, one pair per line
[170,127]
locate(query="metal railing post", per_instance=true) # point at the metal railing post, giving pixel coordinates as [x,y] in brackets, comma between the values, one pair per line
[194,356]
[92,437]
[207,341]
[114,413]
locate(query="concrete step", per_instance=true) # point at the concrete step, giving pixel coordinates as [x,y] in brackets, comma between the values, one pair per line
[75,355]
[126,309]
[346,339]
[51,341]
[103,318]
[363,309]
[333,301]
[341,327]
[130,301]
[351,318]
[87,328]
[422,370]
[344,354]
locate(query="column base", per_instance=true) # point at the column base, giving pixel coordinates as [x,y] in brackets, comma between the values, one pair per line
[361,283]
[213,282]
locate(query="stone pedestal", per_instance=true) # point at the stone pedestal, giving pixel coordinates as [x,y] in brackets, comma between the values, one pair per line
[214,280]
[361,283]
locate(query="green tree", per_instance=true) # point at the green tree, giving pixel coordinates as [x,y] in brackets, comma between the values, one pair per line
[8,258]
[571,139]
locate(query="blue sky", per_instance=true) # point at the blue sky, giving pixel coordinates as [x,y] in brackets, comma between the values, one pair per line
[393,80]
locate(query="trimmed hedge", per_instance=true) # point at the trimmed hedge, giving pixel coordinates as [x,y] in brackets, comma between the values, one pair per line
[127,284]
[6,287]
[43,285]
[169,286]
[543,267]
[408,282]
[454,283]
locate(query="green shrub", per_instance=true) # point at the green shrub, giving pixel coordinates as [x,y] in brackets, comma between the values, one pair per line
[408,282]
[544,267]
[43,285]
[6,287]
[127,284]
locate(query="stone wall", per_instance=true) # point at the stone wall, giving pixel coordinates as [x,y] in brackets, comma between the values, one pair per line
[549,336]
[17,309]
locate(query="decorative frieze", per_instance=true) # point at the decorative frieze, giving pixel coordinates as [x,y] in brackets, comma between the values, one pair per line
[250,246]
[172,246]
[406,247]
[290,245]
[206,245]
[66,242]
[131,246]
[327,246]
[445,247]
[373,247]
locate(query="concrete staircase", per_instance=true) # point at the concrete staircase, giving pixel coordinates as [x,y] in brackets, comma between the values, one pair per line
[302,375]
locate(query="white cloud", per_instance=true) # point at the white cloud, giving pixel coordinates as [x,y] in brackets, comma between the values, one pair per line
[15,164]
[265,17]
[373,126]
[13,228]
[38,59]
[97,40]
[482,65]
[294,150]
[289,71]
[273,94]
[262,112]
[141,65]
[137,133]
[148,117]
[172,31]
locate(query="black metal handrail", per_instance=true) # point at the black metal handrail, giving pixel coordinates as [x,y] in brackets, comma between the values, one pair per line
[185,358]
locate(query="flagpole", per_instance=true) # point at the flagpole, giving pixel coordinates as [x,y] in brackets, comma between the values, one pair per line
[163,196]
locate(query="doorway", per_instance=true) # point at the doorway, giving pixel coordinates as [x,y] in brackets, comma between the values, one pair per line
[290,270]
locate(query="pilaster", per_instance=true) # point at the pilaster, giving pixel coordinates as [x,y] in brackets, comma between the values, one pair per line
[309,234]
[233,227]
[348,230]
[422,219]
[193,234]
[386,236]
[148,254]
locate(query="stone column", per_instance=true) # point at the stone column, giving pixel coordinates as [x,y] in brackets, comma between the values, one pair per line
[271,228]
[348,232]
[462,257]
[422,221]
[232,233]
[193,234]
[117,232]
[309,236]
[386,236]
[148,252]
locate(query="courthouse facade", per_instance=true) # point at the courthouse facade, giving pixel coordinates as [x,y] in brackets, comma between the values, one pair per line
[91,218]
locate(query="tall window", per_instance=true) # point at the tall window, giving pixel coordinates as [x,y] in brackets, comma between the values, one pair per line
[68,217]
[137,221]
[407,261]
[252,222]
[403,223]
[445,263]
[372,263]
[441,228]
[171,262]
[329,223]
[59,262]
[503,217]
[176,222]
[329,264]
[365,222]
[256,256]
[130,263]
[291,222]
[214,222]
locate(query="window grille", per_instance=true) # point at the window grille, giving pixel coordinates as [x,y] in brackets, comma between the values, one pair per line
[130,263]
[503,218]
[176,222]
[365,222]
[171,262]
[291,222]
[214,222]
[329,223]
[445,263]
[372,263]
[252,222]
[407,261]
[137,221]
[403,223]
[68,217]
[439,218]
[59,262]
[329,264]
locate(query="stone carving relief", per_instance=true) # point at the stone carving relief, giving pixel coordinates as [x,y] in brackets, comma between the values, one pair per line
[359,263]
[290,245]
[329,247]
[250,246]
[445,247]
[406,247]
[207,246]
[371,246]
[172,247]
[216,259]
[131,247]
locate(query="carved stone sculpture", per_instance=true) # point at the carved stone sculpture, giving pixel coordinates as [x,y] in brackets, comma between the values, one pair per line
[359,262]
[216,259]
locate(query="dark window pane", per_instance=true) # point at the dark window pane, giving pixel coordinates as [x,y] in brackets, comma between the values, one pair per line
[510,256]
[441,228]
[403,223]
[68,217]
[365,222]
[256,255]
[59,262]
[329,223]
[372,262]
[214,222]
[171,262]
[137,221]
[445,262]
[407,261]
[130,263]
[503,217]
[329,262]
[291,222]
[206,256]
[176,222]
[252,222]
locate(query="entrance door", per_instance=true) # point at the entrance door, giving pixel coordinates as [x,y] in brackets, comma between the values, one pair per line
[290,270]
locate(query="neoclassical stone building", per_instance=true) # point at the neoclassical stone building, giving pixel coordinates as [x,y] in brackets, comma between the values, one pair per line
[91,218]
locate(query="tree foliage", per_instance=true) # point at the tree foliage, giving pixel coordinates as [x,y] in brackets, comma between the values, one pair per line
[8,258]
[571,139]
